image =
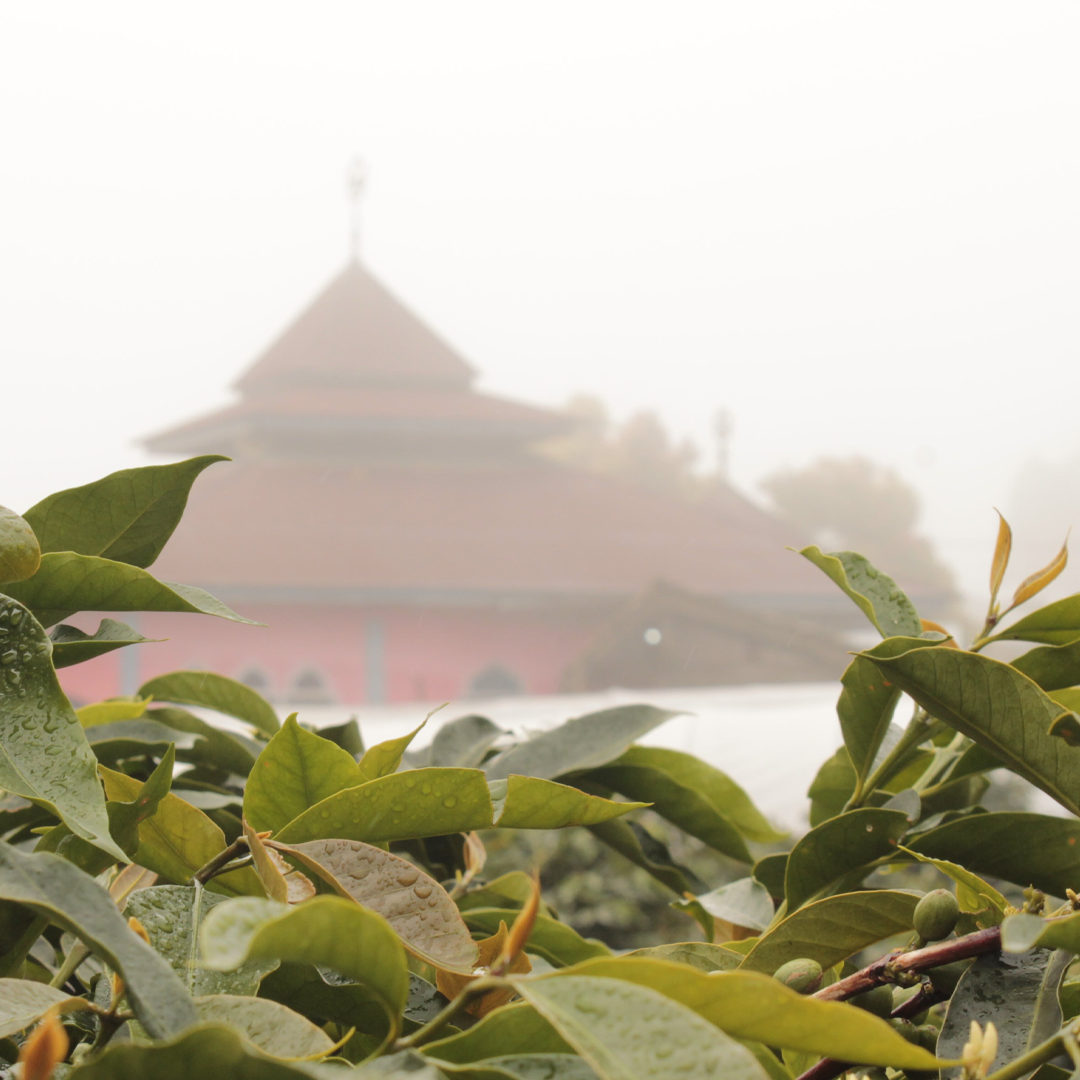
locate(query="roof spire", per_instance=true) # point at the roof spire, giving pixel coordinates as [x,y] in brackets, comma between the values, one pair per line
[355,183]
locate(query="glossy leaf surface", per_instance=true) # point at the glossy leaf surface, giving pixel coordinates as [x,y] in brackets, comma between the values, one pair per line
[526,802]
[272,1028]
[44,755]
[209,691]
[996,707]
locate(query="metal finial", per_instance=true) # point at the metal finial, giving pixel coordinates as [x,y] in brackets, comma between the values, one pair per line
[355,182]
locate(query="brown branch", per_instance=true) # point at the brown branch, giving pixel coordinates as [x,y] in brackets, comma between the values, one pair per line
[219,861]
[885,970]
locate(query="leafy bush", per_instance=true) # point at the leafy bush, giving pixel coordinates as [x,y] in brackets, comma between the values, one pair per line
[182,900]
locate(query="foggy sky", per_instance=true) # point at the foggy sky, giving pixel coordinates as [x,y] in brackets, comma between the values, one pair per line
[855,225]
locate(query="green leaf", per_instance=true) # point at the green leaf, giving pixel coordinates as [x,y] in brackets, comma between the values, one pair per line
[698,798]
[111,711]
[270,1027]
[832,787]
[1017,994]
[627,1031]
[403,806]
[634,842]
[995,706]
[327,931]
[540,1066]
[743,903]
[168,914]
[209,691]
[295,770]
[512,890]
[838,846]
[55,889]
[586,742]
[20,552]
[213,747]
[127,516]
[751,1006]
[417,907]
[23,1003]
[868,701]
[1056,624]
[66,583]
[1028,849]
[178,839]
[385,757]
[556,942]
[1053,667]
[44,755]
[462,743]
[72,646]
[696,954]
[833,929]
[525,802]
[876,594]
[519,1027]
[205,1052]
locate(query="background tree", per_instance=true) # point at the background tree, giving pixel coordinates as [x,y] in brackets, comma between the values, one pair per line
[853,504]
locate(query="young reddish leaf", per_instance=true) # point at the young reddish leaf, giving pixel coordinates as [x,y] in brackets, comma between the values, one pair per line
[1041,578]
[492,949]
[45,1049]
[1002,550]
[519,932]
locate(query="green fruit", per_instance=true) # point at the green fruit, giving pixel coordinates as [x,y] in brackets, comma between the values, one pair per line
[936,914]
[878,1001]
[927,1037]
[802,976]
[945,978]
[905,1028]
[20,554]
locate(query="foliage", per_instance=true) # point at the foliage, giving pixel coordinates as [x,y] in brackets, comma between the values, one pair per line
[181,898]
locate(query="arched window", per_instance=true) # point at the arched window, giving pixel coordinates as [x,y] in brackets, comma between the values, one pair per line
[258,680]
[310,687]
[496,680]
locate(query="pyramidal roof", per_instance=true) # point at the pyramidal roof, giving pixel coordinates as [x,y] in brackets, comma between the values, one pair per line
[356,333]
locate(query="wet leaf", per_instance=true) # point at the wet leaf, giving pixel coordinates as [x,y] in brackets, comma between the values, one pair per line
[295,770]
[385,757]
[556,942]
[1017,994]
[626,1031]
[327,931]
[44,755]
[540,1066]
[517,1029]
[755,1007]
[526,802]
[491,950]
[168,914]
[1028,849]
[272,1028]
[55,889]
[417,907]
[127,516]
[23,1002]
[403,806]
[876,594]
[209,691]
[20,552]
[66,583]
[178,839]
[838,846]
[112,711]
[995,706]
[586,742]
[833,929]
[696,954]
[72,646]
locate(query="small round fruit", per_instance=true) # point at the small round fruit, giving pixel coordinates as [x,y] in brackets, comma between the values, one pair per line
[944,978]
[802,976]
[905,1028]
[928,1037]
[20,555]
[936,914]
[878,1001]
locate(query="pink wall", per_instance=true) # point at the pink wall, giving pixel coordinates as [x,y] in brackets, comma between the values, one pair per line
[391,653]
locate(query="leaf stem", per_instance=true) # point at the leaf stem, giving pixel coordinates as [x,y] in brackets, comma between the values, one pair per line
[914,734]
[478,988]
[219,861]
[79,952]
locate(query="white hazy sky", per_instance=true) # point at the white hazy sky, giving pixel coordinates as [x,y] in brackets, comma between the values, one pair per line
[855,224]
